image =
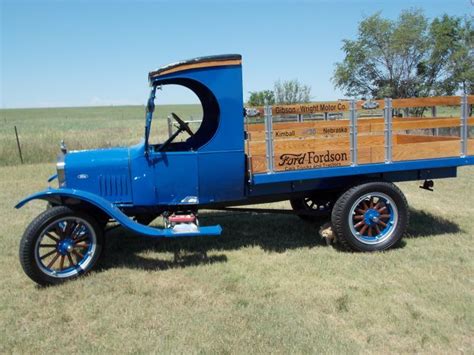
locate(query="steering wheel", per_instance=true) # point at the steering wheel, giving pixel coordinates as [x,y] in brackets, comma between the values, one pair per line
[182,125]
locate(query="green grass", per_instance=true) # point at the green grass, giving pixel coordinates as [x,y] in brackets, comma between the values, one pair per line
[268,284]
[41,130]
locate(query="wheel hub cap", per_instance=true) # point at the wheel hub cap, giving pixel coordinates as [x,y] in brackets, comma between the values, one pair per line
[65,246]
[371,217]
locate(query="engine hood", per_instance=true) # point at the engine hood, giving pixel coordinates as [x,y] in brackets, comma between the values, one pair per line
[105,172]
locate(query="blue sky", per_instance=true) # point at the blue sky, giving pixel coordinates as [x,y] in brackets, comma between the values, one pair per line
[83,53]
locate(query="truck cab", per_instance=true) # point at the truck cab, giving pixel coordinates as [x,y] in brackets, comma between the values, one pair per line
[208,167]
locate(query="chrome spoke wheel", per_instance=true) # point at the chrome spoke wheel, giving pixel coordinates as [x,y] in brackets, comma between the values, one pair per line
[65,247]
[370,216]
[60,244]
[373,218]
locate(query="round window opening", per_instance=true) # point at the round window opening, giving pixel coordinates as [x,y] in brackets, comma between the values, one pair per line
[185,117]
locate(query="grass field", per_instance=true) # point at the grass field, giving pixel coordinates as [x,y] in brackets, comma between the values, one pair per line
[268,284]
[41,130]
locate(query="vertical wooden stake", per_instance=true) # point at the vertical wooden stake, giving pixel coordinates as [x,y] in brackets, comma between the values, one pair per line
[433,113]
[269,137]
[353,132]
[18,144]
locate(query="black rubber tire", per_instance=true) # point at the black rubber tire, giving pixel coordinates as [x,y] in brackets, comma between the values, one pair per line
[33,232]
[299,204]
[343,205]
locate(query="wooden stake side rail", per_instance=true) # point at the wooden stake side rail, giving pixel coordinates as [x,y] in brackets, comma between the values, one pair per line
[297,130]
[343,106]
[281,146]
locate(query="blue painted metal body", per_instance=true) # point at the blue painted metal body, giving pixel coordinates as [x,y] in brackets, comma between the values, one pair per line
[211,169]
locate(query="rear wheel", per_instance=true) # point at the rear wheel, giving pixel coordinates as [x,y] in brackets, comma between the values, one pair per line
[60,244]
[315,207]
[370,217]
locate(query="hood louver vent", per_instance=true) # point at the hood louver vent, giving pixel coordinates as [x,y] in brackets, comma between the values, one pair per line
[113,186]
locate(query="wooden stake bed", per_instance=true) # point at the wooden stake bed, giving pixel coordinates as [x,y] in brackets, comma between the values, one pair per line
[345,142]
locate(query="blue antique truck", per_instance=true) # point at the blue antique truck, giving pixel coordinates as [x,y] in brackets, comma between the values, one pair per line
[342,169]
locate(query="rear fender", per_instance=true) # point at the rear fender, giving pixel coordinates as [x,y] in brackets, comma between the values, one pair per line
[61,196]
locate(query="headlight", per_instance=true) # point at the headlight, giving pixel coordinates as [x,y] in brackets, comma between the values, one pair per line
[61,175]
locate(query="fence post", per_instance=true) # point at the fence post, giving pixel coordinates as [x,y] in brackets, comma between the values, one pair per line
[387,113]
[464,115]
[269,137]
[18,145]
[353,132]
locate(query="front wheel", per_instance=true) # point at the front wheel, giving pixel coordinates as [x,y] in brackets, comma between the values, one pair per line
[372,216]
[60,244]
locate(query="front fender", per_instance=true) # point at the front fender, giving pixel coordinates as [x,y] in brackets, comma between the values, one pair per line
[114,212]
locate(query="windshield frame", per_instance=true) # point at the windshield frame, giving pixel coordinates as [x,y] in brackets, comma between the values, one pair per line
[150,108]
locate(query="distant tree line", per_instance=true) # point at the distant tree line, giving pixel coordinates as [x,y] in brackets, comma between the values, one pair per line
[411,56]
[408,57]
[284,92]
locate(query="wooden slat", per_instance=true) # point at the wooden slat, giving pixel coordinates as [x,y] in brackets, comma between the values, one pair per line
[319,159]
[470,146]
[370,155]
[300,145]
[427,150]
[260,127]
[309,108]
[408,123]
[400,124]
[306,154]
[258,164]
[289,130]
[427,101]
[411,138]
[312,159]
[292,125]
[303,130]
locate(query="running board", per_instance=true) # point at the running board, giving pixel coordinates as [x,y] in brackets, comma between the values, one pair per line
[56,195]
[210,231]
